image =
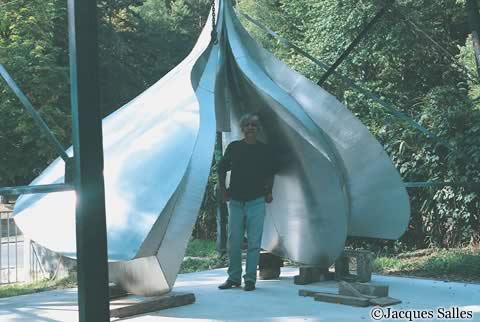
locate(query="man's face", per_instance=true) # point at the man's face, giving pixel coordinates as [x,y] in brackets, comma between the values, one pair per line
[250,128]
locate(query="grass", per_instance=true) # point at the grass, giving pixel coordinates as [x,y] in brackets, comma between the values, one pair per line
[191,265]
[455,264]
[201,255]
[201,248]
[38,286]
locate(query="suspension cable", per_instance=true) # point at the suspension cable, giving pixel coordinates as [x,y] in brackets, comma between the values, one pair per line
[384,104]
[213,34]
[415,28]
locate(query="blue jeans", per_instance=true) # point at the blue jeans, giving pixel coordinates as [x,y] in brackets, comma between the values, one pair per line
[249,215]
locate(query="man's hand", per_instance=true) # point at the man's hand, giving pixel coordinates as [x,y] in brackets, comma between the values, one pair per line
[268,197]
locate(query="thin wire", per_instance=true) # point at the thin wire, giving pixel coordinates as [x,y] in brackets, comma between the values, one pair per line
[417,30]
[411,23]
[389,107]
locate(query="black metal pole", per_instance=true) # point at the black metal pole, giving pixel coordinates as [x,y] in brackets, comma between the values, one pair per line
[20,190]
[474,22]
[92,263]
[222,209]
[389,107]
[355,42]
[33,112]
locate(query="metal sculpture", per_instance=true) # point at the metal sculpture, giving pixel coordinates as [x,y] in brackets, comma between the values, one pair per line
[335,179]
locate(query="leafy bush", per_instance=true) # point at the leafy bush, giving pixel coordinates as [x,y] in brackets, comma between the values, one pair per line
[201,248]
[397,63]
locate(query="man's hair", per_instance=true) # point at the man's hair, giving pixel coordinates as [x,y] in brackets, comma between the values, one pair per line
[249,117]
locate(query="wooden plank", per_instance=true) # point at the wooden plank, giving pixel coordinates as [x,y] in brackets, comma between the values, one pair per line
[304,292]
[342,267]
[384,301]
[268,260]
[363,260]
[116,292]
[153,304]
[347,289]
[364,267]
[312,274]
[371,289]
[300,280]
[269,266]
[341,299]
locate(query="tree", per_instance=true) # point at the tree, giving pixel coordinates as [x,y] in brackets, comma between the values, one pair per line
[139,42]
[29,50]
[400,64]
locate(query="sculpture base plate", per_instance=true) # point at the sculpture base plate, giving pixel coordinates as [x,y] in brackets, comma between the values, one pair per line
[134,305]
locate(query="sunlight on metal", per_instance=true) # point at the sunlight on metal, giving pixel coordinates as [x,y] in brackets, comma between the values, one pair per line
[334,181]
[392,110]
[30,109]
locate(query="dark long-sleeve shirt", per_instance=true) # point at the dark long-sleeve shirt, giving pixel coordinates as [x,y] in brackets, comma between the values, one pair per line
[252,169]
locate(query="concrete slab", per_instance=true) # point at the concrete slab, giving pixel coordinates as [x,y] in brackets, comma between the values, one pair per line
[273,300]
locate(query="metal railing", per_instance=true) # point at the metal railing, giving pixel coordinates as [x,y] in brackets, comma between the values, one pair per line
[19,261]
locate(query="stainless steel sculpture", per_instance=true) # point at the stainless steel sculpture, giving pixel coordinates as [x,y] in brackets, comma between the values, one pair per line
[335,179]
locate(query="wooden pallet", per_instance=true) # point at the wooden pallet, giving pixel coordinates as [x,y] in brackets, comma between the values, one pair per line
[354,294]
[126,306]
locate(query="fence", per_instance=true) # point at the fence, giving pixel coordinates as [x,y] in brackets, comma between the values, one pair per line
[19,260]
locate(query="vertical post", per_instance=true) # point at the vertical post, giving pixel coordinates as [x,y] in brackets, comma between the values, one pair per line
[8,248]
[1,246]
[27,266]
[92,264]
[474,22]
[16,254]
[222,210]
[32,262]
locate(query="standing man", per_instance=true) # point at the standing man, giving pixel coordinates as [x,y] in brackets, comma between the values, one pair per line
[251,180]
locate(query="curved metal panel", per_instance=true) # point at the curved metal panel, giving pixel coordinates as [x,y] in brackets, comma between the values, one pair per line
[334,177]
[308,220]
[378,201]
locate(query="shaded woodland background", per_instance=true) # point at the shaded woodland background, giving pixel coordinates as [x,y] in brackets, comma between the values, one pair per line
[435,83]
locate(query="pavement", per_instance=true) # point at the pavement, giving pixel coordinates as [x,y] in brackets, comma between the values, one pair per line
[274,301]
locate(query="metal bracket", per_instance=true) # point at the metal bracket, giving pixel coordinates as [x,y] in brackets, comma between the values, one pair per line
[69,171]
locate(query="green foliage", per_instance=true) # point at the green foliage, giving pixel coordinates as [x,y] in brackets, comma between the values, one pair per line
[384,264]
[399,64]
[191,265]
[38,286]
[205,227]
[201,255]
[29,50]
[139,42]
[454,264]
[201,248]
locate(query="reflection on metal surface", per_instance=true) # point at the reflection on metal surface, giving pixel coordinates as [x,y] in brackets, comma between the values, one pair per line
[334,180]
